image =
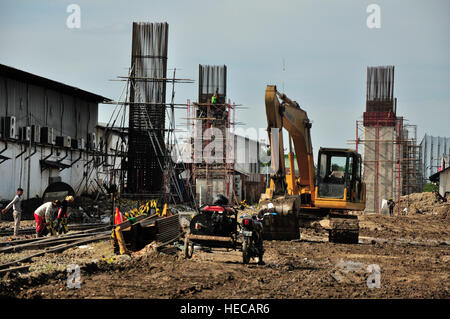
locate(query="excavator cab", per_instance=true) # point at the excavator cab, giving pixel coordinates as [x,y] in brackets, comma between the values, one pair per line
[338,179]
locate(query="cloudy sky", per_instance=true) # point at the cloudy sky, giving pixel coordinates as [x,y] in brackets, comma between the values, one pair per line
[324,46]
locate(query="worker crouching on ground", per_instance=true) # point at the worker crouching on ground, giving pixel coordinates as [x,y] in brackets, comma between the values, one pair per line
[61,219]
[16,204]
[44,216]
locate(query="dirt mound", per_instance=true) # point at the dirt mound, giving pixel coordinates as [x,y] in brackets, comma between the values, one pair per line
[444,211]
[425,203]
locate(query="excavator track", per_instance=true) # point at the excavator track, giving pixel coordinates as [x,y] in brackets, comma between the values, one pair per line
[288,217]
[344,229]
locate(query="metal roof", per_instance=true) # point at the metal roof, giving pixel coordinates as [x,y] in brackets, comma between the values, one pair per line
[20,75]
[435,176]
[338,150]
[105,126]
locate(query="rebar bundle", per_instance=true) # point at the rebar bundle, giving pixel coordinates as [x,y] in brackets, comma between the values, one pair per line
[147,102]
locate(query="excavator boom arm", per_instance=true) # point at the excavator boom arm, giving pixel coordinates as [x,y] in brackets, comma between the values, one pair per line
[290,116]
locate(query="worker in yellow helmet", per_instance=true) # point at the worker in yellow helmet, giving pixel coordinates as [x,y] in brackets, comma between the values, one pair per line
[61,219]
[214,97]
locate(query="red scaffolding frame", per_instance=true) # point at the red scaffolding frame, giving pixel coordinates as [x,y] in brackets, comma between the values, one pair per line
[404,158]
[210,171]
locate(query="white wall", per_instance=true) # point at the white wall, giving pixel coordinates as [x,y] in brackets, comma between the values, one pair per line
[216,186]
[247,157]
[114,141]
[434,148]
[444,182]
[14,172]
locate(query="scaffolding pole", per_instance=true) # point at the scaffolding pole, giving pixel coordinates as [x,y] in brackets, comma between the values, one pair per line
[405,160]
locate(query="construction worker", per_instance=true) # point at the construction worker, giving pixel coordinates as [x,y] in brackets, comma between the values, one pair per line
[61,218]
[391,205]
[16,204]
[214,97]
[44,216]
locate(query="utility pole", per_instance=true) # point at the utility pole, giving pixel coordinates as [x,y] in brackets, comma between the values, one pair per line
[29,159]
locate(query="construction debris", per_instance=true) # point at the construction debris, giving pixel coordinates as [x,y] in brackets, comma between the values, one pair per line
[133,236]
[58,248]
[8,231]
[424,203]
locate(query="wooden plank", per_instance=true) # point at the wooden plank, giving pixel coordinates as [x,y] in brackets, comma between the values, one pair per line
[13,269]
[215,238]
[128,223]
[56,249]
[3,266]
[80,242]
[73,227]
[47,242]
[121,241]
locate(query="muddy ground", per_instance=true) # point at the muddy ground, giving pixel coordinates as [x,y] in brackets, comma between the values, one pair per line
[411,253]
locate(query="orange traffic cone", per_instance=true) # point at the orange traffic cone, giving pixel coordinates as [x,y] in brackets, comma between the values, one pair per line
[118,219]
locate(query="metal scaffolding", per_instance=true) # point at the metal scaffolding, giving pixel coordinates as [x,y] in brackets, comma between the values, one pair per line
[214,174]
[391,156]
[216,168]
[147,99]
[151,172]
[404,157]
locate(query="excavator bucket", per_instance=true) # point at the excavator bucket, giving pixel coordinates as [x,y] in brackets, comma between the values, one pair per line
[280,218]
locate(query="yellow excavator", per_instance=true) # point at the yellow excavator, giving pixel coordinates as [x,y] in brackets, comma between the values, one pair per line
[325,197]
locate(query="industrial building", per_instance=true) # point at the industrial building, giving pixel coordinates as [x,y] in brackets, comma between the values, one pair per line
[249,172]
[435,154]
[48,143]
[113,144]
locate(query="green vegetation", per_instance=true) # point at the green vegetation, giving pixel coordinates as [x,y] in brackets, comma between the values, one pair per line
[337,168]
[430,187]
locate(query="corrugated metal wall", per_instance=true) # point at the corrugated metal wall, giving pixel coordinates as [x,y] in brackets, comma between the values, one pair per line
[434,148]
[66,114]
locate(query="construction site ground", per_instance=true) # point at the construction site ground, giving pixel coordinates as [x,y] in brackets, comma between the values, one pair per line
[412,253]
